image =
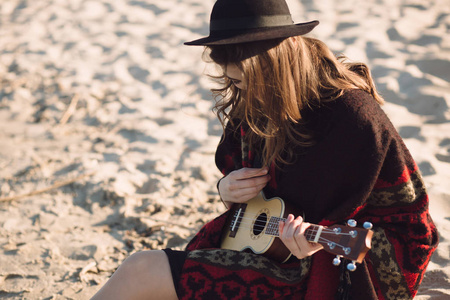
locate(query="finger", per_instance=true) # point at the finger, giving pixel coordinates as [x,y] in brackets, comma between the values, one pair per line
[245,173]
[290,228]
[300,233]
[280,228]
[288,232]
[316,247]
[244,195]
[292,235]
[308,248]
[247,188]
[241,191]
[258,182]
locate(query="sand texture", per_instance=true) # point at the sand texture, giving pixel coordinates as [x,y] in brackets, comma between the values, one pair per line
[107,137]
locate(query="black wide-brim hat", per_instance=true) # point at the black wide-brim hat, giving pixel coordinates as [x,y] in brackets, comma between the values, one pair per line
[242,21]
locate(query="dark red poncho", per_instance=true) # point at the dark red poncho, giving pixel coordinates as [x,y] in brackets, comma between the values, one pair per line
[360,169]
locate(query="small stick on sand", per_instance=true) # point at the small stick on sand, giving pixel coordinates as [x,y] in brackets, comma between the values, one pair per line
[70,109]
[170,223]
[46,189]
[91,267]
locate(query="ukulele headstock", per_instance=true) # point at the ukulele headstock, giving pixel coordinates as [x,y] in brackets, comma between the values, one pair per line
[348,242]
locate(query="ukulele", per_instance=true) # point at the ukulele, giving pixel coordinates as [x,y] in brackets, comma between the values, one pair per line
[254,226]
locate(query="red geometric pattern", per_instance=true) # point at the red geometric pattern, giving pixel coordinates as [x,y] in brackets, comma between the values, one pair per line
[363,172]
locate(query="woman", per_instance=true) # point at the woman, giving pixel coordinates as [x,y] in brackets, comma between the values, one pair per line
[307,127]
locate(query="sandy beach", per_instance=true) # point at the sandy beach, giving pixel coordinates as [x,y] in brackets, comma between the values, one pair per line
[108,137]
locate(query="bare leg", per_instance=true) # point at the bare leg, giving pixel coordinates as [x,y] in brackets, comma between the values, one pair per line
[143,275]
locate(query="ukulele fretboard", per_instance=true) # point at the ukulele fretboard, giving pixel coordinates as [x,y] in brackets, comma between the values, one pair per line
[312,233]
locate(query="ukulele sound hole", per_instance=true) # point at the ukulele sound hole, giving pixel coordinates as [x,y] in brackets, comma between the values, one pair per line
[260,224]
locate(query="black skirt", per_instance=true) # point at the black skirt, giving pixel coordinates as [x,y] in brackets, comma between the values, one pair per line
[176,262]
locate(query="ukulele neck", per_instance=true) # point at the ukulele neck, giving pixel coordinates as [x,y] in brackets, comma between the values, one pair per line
[312,233]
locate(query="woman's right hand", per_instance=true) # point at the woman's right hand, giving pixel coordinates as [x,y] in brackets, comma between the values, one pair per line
[242,185]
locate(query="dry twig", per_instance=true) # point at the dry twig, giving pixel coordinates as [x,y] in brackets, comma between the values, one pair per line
[168,222]
[46,189]
[91,267]
[70,109]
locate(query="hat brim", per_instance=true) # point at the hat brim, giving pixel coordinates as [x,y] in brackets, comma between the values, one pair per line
[254,35]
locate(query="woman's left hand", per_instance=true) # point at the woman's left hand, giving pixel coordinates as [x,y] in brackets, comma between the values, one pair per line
[292,235]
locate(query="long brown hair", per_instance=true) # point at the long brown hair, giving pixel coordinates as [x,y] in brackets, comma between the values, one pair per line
[283,78]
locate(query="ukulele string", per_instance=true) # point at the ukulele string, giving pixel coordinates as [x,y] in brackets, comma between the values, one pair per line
[321,240]
[260,225]
[251,222]
[252,217]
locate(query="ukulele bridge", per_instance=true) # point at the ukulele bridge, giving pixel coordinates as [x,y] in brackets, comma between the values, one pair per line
[237,219]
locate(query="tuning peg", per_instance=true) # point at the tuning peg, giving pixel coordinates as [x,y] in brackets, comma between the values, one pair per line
[351,266]
[368,225]
[337,260]
[351,223]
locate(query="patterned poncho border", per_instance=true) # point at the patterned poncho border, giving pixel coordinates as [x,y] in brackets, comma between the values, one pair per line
[360,169]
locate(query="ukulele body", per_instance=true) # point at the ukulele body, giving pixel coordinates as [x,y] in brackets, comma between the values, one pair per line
[252,223]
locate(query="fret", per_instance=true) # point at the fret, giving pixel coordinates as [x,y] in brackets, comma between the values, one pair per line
[312,233]
[272,227]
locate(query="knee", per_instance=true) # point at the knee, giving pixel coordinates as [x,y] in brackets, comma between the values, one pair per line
[139,263]
[143,275]
[144,264]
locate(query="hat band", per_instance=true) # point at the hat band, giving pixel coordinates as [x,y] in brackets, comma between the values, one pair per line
[250,22]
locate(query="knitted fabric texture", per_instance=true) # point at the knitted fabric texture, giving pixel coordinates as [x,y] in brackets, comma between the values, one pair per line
[359,168]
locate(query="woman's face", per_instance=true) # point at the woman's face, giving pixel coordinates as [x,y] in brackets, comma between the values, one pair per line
[235,75]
